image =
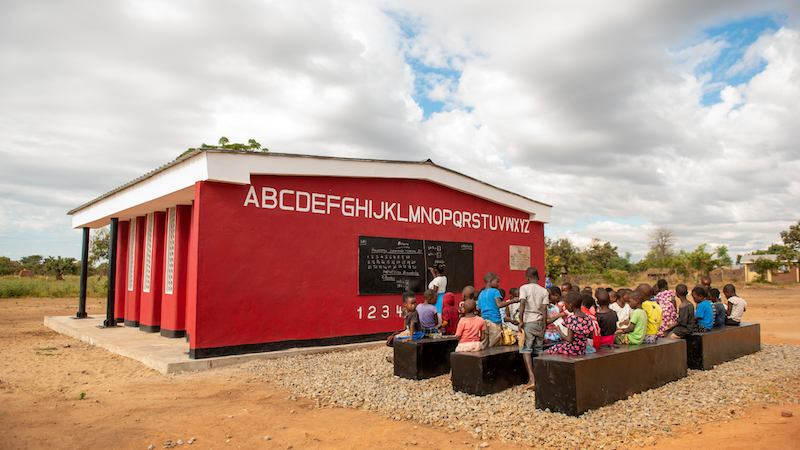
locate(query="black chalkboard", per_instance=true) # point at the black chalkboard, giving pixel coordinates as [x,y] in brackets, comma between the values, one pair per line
[390,265]
[394,265]
[458,260]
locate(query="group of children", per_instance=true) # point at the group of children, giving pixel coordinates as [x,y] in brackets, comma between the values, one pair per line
[575,321]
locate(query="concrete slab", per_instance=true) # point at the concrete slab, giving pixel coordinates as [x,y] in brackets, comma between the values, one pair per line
[163,354]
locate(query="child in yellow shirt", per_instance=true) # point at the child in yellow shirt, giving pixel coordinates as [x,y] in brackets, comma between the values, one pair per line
[653,311]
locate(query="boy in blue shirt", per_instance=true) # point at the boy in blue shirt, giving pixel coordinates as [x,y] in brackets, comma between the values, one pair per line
[704,312]
[489,302]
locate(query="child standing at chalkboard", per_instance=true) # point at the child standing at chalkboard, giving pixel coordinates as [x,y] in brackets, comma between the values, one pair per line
[438,284]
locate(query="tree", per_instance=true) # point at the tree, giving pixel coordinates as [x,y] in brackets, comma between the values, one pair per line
[7,266]
[723,258]
[662,240]
[59,266]
[791,244]
[562,253]
[701,260]
[32,260]
[764,266]
[251,146]
[98,246]
[598,255]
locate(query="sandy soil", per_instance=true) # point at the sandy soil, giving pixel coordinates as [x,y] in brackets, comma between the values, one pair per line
[129,406]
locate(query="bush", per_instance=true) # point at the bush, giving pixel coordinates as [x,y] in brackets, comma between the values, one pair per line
[12,287]
[615,277]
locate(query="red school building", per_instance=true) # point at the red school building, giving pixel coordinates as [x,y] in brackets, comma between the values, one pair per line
[246,252]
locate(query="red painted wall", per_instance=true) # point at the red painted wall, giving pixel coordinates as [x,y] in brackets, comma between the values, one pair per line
[121,280]
[173,305]
[150,312]
[134,293]
[265,275]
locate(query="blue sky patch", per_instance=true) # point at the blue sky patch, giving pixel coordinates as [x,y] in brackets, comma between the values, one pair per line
[425,76]
[739,35]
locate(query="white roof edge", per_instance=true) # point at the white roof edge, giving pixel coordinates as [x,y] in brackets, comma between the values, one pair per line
[236,167]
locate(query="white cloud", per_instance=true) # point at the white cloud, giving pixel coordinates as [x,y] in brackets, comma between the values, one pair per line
[593,107]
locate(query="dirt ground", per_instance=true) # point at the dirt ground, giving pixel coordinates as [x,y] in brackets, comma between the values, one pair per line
[129,406]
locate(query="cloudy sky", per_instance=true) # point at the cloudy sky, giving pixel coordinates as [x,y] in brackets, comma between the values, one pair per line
[623,115]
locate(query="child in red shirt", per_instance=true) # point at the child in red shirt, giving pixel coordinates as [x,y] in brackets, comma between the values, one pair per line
[471,329]
[450,315]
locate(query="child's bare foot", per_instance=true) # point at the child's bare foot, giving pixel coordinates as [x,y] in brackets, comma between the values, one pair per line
[529,386]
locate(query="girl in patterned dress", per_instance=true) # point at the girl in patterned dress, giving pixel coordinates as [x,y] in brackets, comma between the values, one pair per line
[669,309]
[579,328]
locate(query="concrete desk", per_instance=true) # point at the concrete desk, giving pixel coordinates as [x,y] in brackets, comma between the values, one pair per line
[423,358]
[575,384]
[722,344]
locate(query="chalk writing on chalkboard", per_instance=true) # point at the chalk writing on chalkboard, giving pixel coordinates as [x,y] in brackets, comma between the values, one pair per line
[394,265]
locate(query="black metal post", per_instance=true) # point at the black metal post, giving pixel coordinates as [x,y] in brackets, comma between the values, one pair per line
[84,275]
[112,274]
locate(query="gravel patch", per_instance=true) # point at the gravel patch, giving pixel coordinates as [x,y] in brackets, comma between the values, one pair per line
[363,379]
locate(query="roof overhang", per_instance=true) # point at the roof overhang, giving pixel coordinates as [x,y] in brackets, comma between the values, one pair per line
[173,183]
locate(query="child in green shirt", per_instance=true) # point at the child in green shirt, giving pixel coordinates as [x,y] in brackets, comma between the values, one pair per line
[634,332]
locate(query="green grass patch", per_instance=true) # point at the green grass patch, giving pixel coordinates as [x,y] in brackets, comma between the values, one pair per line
[13,287]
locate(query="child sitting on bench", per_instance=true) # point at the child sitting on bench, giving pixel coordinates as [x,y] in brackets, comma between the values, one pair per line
[428,314]
[606,318]
[471,329]
[685,323]
[450,315]
[736,306]
[653,311]
[411,320]
[621,307]
[704,313]
[634,332]
[553,314]
[579,328]
[719,308]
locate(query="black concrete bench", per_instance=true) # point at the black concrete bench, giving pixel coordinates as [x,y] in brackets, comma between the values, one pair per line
[722,344]
[575,384]
[423,358]
[488,371]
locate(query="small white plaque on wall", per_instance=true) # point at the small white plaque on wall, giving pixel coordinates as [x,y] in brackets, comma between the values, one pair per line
[519,257]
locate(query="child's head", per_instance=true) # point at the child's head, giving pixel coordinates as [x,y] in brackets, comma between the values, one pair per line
[625,293]
[713,295]
[468,293]
[646,290]
[566,288]
[410,301]
[438,268]
[729,290]
[699,294]
[491,279]
[449,299]
[555,294]
[681,290]
[635,299]
[587,301]
[706,282]
[662,285]
[532,275]
[469,306]
[430,296]
[602,297]
[612,295]
[513,292]
[502,293]
[572,301]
